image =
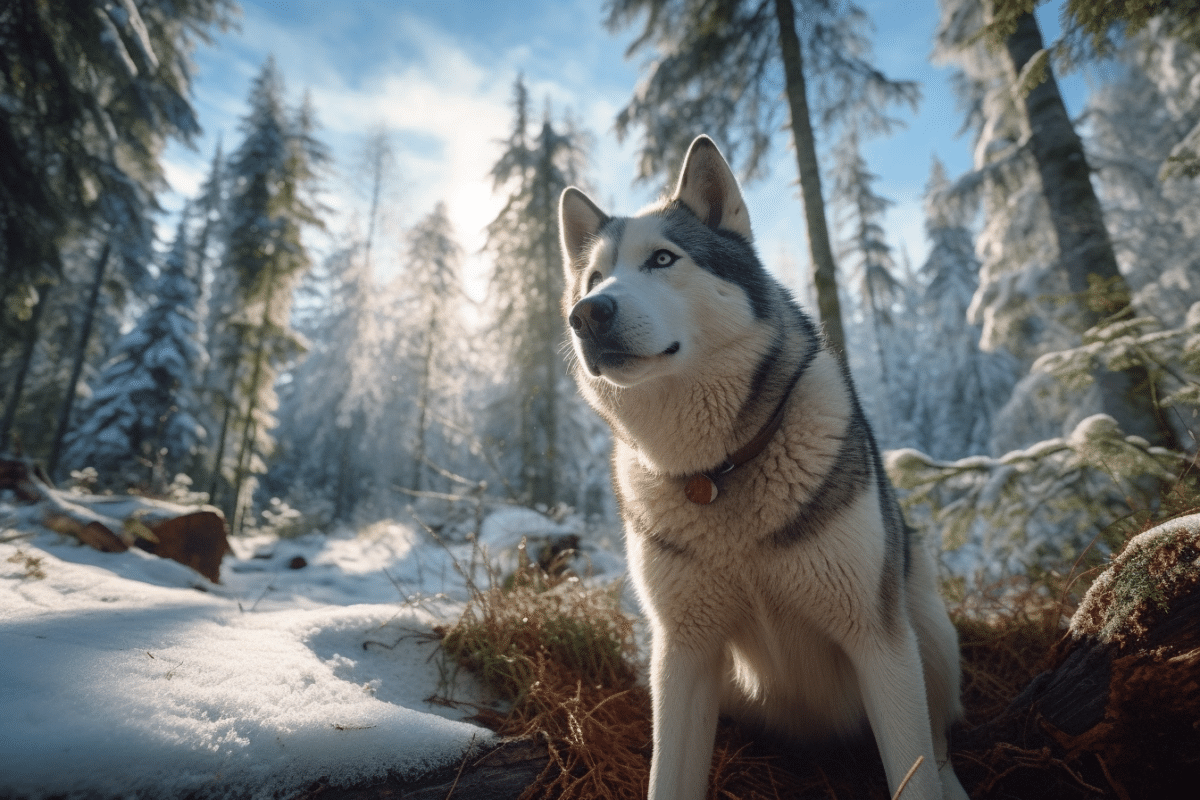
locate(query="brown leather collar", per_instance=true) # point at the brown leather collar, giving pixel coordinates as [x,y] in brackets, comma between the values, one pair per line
[702,489]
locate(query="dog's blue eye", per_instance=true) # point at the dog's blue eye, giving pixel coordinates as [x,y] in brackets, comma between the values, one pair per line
[663,258]
[593,279]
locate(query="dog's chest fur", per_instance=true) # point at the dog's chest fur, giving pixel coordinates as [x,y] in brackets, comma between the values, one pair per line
[723,564]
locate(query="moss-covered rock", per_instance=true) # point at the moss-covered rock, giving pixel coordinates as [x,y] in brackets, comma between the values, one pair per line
[1154,571]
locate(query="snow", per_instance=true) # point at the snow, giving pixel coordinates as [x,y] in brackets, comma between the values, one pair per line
[125,674]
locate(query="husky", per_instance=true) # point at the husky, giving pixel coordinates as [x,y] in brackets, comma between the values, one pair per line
[780,582]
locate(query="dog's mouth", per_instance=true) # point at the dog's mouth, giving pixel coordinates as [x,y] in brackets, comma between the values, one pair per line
[619,359]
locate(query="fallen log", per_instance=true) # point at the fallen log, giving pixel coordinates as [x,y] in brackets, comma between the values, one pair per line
[503,773]
[195,537]
[1118,713]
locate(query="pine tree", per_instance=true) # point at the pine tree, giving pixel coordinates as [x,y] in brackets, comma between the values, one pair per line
[91,93]
[433,265]
[1031,160]
[272,178]
[139,426]
[209,210]
[1135,122]
[963,387]
[865,253]
[335,393]
[703,49]
[352,371]
[526,288]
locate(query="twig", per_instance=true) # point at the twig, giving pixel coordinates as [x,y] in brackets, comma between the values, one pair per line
[911,771]
[461,764]
[454,498]
[445,473]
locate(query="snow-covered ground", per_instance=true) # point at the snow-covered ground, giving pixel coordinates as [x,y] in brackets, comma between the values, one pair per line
[126,674]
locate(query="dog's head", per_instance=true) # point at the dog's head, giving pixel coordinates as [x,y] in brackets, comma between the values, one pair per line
[664,291]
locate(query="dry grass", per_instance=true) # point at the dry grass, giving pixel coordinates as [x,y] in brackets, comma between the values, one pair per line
[1007,632]
[562,653]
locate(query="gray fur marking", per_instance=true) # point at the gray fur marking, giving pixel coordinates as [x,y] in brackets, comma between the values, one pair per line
[846,479]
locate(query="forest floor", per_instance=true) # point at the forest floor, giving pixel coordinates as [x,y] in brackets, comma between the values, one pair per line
[365,664]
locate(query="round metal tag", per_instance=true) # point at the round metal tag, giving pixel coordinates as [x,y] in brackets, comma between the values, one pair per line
[701,490]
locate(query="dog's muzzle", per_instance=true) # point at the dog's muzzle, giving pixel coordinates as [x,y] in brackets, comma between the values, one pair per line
[592,319]
[601,344]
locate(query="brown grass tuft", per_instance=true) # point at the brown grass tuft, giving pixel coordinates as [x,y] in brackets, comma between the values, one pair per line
[1006,636]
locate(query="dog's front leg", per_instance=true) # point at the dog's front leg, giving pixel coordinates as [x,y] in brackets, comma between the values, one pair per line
[889,673]
[685,684]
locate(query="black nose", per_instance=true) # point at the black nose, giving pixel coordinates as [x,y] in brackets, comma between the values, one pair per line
[593,315]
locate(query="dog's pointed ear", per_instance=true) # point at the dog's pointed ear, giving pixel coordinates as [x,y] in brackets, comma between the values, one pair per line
[707,186]
[579,221]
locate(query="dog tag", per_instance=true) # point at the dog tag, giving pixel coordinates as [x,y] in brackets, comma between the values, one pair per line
[701,490]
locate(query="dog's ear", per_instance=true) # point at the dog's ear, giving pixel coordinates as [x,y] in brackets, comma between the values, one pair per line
[707,186]
[579,221]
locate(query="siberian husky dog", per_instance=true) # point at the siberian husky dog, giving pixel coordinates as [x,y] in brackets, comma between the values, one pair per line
[764,540]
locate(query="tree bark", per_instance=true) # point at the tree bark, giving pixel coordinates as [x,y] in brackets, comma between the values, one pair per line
[423,395]
[250,429]
[1085,250]
[824,268]
[85,337]
[219,458]
[13,401]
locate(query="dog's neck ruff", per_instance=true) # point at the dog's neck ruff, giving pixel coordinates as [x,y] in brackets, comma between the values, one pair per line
[701,489]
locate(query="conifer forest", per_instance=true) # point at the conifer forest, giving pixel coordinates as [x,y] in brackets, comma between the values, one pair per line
[305,367]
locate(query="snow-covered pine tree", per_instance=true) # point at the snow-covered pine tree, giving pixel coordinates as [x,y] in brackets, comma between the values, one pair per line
[702,48]
[91,92]
[1048,272]
[139,426]
[209,211]
[866,258]
[216,293]
[354,364]
[272,181]
[1135,121]
[433,271]
[962,387]
[335,393]
[1044,501]
[526,289]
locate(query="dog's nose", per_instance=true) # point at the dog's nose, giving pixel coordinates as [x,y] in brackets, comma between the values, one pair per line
[593,314]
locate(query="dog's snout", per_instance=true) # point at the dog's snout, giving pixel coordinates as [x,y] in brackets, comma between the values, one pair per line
[594,315]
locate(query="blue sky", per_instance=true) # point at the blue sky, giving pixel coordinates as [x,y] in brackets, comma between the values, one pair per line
[439,75]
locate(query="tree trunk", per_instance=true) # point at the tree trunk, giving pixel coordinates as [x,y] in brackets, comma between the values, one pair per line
[249,430]
[195,537]
[15,391]
[215,477]
[1085,251]
[85,337]
[423,402]
[886,424]
[551,338]
[824,268]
